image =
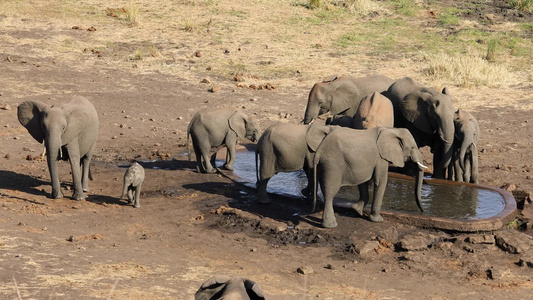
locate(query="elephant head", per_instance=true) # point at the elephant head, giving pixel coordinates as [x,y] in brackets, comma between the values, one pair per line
[244,126]
[432,113]
[333,95]
[227,288]
[398,146]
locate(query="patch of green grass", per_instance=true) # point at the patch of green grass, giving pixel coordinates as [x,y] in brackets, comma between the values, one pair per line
[523,5]
[491,50]
[450,16]
[526,26]
[350,39]
[405,7]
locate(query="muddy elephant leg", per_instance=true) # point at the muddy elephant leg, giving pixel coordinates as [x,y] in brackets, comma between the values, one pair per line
[363,198]
[230,155]
[75,164]
[137,197]
[380,184]
[262,195]
[330,187]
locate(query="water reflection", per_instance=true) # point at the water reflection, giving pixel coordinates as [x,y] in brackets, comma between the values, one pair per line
[454,202]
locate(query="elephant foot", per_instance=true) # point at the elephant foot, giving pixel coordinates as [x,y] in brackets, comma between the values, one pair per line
[228,167]
[329,224]
[78,196]
[358,207]
[376,218]
[57,195]
[137,205]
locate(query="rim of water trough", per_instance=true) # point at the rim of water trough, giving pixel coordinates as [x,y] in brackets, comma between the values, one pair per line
[495,222]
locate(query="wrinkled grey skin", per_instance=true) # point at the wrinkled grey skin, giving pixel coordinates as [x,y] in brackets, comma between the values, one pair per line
[221,287]
[287,148]
[217,127]
[69,131]
[428,114]
[374,111]
[342,95]
[133,181]
[465,148]
[340,120]
[355,157]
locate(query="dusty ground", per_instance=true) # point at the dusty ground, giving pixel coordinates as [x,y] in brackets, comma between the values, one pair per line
[102,248]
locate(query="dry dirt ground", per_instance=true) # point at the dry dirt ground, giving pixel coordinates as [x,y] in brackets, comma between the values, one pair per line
[187,228]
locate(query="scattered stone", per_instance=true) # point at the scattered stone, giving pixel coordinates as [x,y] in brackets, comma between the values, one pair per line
[513,241]
[480,239]
[272,224]
[7,156]
[114,137]
[509,187]
[206,80]
[305,270]
[329,267]
[70,238]
[226,51]
[92,28]
[239,78]
[9,59]
[526,260]
[253,99]
[527,214]
[77,28]
[6,107]
[180,118]
[415,242]
[495,273]
[198,53]
[390,234]
[253,250]
[215,88]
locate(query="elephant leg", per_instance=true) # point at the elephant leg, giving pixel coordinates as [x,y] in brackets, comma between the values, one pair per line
[330,185]
[457,170]
[204,148]
[75,164]
[380,183]
[262,195]
[468,169]
[363,198]
[54,175]
[308,190]
[130,194]
[230,155]
[137,202]
[86,165]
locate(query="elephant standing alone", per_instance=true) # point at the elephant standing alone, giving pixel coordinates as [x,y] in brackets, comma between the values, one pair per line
[342,95]
[69,131]
[355,157]
[133,181]
[428,114]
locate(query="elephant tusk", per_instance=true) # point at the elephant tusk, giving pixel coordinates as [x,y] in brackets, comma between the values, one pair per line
[421,165]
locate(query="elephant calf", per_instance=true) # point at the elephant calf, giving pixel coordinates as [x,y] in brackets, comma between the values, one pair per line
[465,151]
[355,157]
[133,180]
[374,111]
[229,288]
[216,127]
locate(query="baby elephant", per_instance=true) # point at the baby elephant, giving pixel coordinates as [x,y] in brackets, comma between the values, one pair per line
[225,287]
[133,180]
[214,128]
[465,152]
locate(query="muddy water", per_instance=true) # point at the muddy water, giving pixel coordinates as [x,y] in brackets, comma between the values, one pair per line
[438,200]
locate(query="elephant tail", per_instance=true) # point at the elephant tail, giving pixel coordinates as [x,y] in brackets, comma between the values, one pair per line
[315,187]
[188,145]
[256,166]
[474,170]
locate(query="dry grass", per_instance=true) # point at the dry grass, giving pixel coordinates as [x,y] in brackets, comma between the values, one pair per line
[467,70]
[132,14]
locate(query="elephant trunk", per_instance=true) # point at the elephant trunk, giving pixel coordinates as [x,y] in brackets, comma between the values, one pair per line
[311,113]
[124,190]
[446,133]
[53,146]
[418,187]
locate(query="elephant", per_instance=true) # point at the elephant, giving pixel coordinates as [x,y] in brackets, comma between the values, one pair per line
[465,152]
[287,148]
[217,127]
[356,157]
[133,181]
[229,288]
[69,131]
[340,120]
[428,115]
[342,95]
[374,111]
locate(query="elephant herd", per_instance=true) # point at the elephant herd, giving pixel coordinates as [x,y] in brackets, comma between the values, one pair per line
[381,122]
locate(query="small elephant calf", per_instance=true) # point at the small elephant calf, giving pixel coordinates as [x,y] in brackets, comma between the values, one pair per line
[133,180]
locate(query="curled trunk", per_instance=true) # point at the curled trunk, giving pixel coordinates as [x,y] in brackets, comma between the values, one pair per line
[418,187]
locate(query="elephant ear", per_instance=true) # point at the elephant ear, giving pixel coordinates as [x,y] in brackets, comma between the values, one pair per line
[237,123]
[254,291]
[315,134]
[211,287]
[342,97]
[29,115]
[414,109]
[390,147]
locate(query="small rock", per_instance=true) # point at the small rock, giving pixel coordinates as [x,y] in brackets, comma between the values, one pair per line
[526,260]
[272,224]
[198,53]
[70,238]
[330,267]
[91,28]
[6,107]
[206,80]
[180,118]
[226,51]
[480,239]
[9,59]
[509,187]
[513,241]
[77,28]
[215,88]
[7,156]
[414,242]
[114,137]
[238,78]
[253,250]
[305,270]
[253,99]
[390,234]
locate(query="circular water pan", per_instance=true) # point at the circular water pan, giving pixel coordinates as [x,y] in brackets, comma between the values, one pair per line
[447,204]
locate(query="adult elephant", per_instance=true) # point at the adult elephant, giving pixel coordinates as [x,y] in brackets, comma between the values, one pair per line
[428,115]
[225,287]
[69,131]
[287,148]
[356,157]
[374,111]
[342,95]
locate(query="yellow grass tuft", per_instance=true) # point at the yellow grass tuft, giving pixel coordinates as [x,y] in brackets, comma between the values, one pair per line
[132,14]
[466,70]
[358,7]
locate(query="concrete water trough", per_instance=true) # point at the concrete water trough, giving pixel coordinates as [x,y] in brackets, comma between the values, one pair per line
[448,205]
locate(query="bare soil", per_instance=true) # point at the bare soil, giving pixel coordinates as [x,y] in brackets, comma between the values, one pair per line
[191,226]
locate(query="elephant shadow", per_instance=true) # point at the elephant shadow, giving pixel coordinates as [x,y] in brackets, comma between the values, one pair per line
[282,208]
[23,183]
